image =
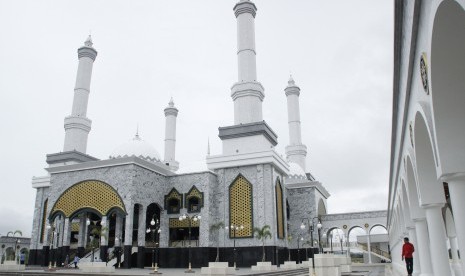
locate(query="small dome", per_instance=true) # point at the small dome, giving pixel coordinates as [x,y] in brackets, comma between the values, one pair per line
[136,147]
[296,170]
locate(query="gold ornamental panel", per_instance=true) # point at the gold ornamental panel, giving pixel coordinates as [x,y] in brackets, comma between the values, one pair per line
[176,223]
[280,211]
[240,207]
[44,220]
[75,226]
[90,194]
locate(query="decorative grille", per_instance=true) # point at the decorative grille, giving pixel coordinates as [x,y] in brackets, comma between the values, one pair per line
[44,220]
[240,207]
[280,211]
[91,194]
[176,223]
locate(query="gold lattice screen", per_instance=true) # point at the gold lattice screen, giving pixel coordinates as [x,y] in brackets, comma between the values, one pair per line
[44,220]
[280,211]
[176,223]
[91,194]
[194,192]
[240,207]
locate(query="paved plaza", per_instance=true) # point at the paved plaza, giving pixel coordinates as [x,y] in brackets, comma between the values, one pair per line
[358,270]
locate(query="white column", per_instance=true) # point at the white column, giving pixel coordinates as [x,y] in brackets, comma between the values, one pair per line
[128,227]
[66,233]
[369,247]
[457,195]
[82,238]
[455,257]
[247,93]
[171,113]
[142,227]
[295,152]
[105,231]
[413,239]
[422,248]
[119,229]
[437,237]
[77,125]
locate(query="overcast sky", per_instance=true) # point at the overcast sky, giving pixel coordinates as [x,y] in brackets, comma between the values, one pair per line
[339,53]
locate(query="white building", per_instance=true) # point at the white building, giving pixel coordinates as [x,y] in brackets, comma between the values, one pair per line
[427,178]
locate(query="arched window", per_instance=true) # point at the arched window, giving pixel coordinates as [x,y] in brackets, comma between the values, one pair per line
[44,221]
[241,207]
[173,202]
[279,209]
[194,200]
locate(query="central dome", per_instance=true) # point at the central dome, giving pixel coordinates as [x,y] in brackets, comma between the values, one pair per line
[136,147]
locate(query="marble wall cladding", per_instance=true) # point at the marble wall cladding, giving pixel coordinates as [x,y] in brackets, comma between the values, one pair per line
[263,179]
[137,185]
[41,196]
[302,206]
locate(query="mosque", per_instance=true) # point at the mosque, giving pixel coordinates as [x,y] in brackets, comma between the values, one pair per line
[132,202]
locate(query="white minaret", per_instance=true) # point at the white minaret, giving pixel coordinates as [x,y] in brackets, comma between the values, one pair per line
[171,113]
[295,152]
[247,93]
[77,125]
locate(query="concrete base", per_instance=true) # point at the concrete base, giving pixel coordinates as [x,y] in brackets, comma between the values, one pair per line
[306,264]
[217,268]
[327,271]
[289,265]
[264,266]
[96,267]
[11,266]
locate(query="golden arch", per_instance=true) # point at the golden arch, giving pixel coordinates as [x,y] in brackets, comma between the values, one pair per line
[90,194]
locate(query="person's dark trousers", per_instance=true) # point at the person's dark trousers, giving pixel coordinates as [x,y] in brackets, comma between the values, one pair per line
[409,263]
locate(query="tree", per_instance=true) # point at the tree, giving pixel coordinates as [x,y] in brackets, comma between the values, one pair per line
[216,228]
[262,234]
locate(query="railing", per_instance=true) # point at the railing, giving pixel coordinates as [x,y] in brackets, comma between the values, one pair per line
[375,250]
[184,243]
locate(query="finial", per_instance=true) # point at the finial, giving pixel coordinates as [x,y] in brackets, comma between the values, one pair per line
[137,133]
[88,41]
[171,103]
[208,147]
[291,81]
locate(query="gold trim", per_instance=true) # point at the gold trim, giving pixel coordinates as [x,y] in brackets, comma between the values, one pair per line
[92,194]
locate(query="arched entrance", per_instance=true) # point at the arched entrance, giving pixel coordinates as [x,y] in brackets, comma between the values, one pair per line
[85,221]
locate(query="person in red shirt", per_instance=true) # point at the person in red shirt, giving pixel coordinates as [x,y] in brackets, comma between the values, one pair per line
[407,254]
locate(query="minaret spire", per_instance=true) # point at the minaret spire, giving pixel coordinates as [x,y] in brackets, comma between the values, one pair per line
[171,113]
[247,92]
[77,125]
[295,152]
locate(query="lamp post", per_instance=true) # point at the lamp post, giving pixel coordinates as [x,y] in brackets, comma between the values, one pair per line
[325,239]
[154,229]
[235,228]
[310,228]
[194,218]
[50,227]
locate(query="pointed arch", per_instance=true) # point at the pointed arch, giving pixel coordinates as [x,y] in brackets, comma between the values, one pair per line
[173,202]
[193,200]
[44,221]
[279,209]
[241,207]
